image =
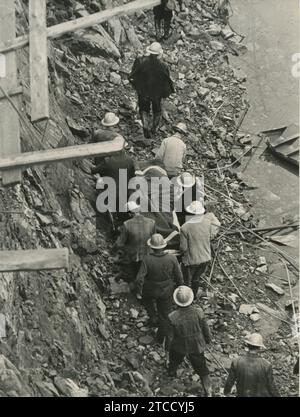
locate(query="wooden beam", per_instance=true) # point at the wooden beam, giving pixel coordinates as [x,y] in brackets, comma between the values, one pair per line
[34,260]
[38,60]
[29,159]
[14,92]
[9,119]
[82,23]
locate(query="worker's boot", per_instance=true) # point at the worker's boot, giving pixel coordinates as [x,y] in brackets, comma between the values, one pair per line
[156,122]
[206,383]
[145,122]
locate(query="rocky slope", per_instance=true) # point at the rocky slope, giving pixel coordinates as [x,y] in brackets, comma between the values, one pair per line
[81,333]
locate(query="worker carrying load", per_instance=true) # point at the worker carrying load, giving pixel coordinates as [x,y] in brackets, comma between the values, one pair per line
[150,78]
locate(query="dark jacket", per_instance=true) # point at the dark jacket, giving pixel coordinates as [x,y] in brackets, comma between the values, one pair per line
[253,377]
[158,275]
[110,167]
[151,78]
[190,331]
[134,236]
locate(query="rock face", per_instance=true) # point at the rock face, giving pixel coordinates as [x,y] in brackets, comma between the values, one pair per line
[11,381]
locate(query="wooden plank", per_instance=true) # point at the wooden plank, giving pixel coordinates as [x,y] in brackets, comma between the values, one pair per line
[9,119]
[29,159]
[38,60]
[14,92]
[34,260]
[82,23]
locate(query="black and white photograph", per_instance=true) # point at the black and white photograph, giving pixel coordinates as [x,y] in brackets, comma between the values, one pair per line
[149,202]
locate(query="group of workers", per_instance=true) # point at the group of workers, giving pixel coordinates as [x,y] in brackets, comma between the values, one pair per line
[167,281]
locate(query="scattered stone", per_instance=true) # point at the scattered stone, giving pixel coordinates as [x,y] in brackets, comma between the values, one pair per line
[254,317]
[275,288]
[248,309]
[134,359]
[134,313]
[69,388]
[103,332]
[227,33]
[245,140]
[115,78]
[213,79]
[155,356]
[214,30]
[210,155]
[118,287]
[203,91]
[261,261]
[76,128]
[221,148]
[146,340]
[263,269]
[217,46]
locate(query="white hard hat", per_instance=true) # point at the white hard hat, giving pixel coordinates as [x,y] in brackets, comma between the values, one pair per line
[186,180]
[157,241]
[255,339]
[196,207]
[110,119]
[183,296]
[155,49]
[133,207]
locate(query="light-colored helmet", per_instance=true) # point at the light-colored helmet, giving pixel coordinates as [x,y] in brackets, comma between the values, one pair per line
[154,49]
[110,119]
[255,339]
[183,296]
[181,127]
[133,207]
[186,180]
[157,241]
[196,207]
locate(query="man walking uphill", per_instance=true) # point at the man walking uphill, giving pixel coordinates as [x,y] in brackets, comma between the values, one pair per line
[151,79]
[190,334]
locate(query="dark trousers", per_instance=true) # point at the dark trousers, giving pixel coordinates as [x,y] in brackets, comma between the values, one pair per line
[192,275]
[145,104]
[197,360]
[129,270]
[160,14]
[158,310]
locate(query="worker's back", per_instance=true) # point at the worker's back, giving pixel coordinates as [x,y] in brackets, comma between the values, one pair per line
[151,78]
[253,377]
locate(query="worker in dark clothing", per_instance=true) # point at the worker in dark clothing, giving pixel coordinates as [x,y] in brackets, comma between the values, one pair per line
[164,13]
[151,79]
[190,334]
[157,278]
[118,167]
[134,235]
[252,374]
